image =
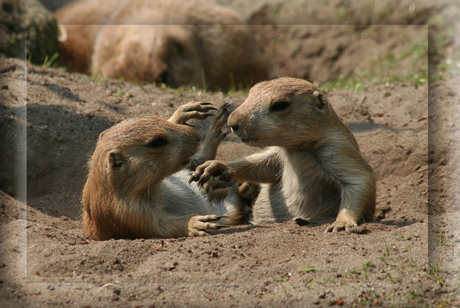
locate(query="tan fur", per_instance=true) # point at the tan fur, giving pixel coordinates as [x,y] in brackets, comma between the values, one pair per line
[179,43]
[311,166]
[137,185]
[82,20]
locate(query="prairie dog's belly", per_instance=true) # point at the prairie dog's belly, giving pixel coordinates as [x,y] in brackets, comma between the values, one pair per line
[270,205]
[181,198]
[303,193]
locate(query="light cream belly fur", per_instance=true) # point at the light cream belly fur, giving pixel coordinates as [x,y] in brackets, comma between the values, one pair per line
[290,199]
[179,198]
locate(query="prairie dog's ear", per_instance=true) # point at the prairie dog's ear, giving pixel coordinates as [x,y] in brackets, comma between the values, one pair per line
[102,134]
[116,159]
[320,101]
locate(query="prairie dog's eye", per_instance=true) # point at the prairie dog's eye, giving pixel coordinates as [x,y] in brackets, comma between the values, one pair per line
[279,106]
[157,143]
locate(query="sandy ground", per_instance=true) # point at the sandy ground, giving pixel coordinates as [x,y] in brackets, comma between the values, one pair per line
[408,257]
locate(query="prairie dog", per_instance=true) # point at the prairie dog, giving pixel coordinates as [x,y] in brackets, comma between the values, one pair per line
[179,43]
[137,181]
[311,166]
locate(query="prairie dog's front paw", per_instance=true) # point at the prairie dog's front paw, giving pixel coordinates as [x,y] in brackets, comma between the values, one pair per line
[217,123]
[193,110]
[203,172]
[197,224]
[214,135]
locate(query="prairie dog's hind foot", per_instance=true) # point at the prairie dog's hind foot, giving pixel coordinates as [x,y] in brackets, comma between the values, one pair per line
[197,224]
[344,221]
[248,190]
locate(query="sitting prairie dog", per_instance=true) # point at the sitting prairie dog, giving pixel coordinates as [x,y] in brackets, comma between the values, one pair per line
[137,181]
[175,42]
[311,166]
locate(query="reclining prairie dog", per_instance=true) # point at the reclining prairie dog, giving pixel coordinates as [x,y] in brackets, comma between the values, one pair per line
[176,42]
[311,166]
[137,181]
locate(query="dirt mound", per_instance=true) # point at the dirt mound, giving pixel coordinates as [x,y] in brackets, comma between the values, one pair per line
[66,113]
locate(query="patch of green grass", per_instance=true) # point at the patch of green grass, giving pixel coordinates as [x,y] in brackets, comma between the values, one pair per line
[387,11]
[62,69]
[439,36]
[282,279]
[179,91]
[342,82]
[343,15]
[435,274]
[277,10]
[284,289]
[50,62]
[307,269]
[384,69]
[417,52]
[412,294]
[187,90]
[121,93]
[232,84]
[365,267]
[444,64]
[142,88]
[442,240]
[392,280]
[447,69]
[278,40]
[326,281]
[203,77]
[354,274]
[240,89]
[97,76]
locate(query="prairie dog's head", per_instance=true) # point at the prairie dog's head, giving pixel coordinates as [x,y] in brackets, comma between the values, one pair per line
[136,154]
[153,53]
[287,112]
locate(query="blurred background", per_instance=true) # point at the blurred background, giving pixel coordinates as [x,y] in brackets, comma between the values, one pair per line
[333,43]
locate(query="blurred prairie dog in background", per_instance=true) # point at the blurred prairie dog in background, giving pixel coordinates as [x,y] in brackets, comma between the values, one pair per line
[311,165]
[179,43]
[79,22]
[137,182]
